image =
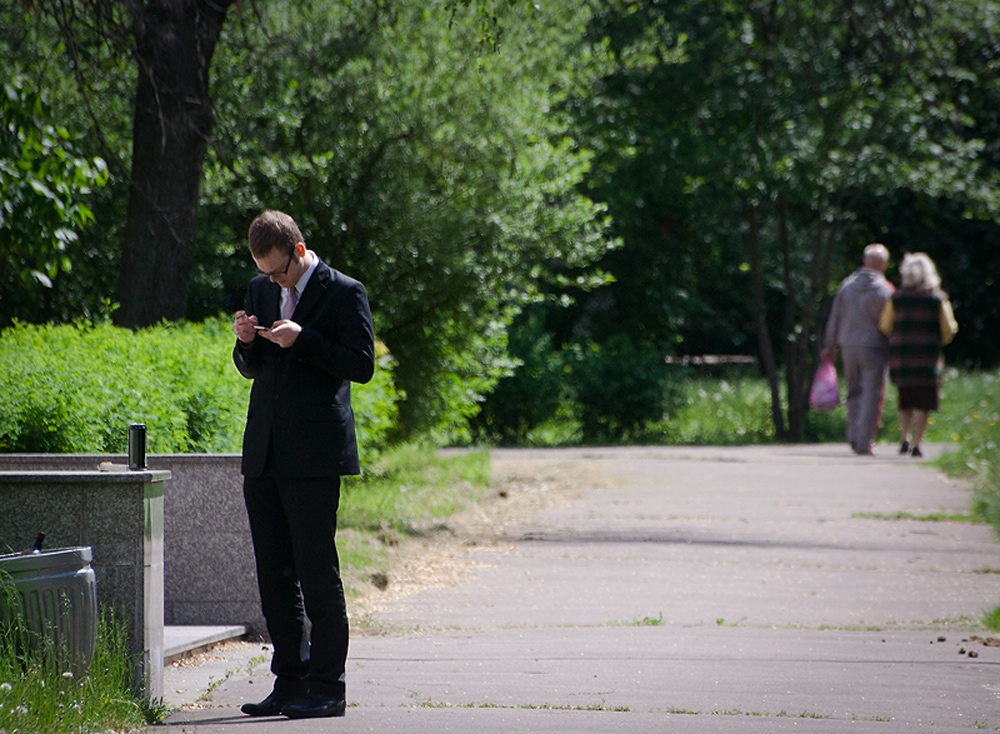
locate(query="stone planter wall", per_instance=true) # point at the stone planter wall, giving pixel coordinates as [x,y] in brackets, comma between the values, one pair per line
[120,517]
[209,576]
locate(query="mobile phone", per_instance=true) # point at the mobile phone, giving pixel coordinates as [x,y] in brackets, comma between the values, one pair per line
[261,328]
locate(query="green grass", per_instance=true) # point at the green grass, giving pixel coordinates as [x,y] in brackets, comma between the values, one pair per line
[407,491]
[409,486]
[970,419]
[639,622]
[36,696]
[928,517]
[991,619]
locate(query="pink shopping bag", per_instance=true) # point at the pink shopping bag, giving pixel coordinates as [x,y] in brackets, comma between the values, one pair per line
[824,395]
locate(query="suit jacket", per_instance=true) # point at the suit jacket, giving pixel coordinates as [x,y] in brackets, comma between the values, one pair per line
[301,396]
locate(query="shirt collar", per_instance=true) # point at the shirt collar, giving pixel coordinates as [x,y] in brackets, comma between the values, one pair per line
[304,280]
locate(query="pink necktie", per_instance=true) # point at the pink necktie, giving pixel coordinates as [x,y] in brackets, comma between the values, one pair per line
[290,302]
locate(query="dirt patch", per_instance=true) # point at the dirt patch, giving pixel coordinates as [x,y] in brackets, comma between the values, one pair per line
[442,554]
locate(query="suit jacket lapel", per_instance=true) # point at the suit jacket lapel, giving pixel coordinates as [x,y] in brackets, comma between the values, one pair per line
[317,285]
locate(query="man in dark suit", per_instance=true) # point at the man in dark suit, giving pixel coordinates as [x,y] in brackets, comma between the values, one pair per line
[304,336]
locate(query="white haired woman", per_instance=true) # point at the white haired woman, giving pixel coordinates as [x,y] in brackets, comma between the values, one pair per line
[918,321]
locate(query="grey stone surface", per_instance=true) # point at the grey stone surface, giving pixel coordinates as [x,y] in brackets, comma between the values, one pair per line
[758,589]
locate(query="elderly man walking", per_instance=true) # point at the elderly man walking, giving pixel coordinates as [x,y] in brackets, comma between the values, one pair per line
[853,330]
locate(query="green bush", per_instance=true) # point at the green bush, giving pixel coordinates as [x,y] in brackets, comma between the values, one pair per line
[531,394]
[619,387]
[75,389]
[375,404]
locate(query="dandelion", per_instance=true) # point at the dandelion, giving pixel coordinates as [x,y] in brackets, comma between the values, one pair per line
[68,674]
[4,687]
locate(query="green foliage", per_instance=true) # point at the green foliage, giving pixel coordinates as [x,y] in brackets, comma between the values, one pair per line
[36,697]
[991,619]
[44,179]
[970,417]
[462,158]
[618,387]
[75,389]
[409,485]
[719,412]
[532,393]
[446,180]
[740,147]
[374,404]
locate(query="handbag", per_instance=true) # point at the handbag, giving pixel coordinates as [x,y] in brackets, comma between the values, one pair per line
[824,395]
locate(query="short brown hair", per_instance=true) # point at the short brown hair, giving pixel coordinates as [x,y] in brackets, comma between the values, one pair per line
[273,230]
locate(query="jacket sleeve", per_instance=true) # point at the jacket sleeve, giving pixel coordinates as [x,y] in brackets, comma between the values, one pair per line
[246,357]
[887,318]
[949,327]
[350,353]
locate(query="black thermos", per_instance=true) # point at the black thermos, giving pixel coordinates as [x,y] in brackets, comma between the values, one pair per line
[137,446]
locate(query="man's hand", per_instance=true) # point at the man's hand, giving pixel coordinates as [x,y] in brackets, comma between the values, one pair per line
[283,333]
[243,327]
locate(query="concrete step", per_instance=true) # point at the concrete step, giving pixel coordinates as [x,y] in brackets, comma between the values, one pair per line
[185,640]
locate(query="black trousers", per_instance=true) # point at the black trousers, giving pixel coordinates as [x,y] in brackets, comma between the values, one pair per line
[293,523]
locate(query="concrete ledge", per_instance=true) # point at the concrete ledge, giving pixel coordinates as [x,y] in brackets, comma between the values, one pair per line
[181,641]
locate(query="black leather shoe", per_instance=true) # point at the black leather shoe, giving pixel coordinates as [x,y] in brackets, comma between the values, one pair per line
[315,706]
[270,706]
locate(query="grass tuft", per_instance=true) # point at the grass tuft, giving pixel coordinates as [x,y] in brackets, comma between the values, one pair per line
[991,619]
[408,491]
[36,696]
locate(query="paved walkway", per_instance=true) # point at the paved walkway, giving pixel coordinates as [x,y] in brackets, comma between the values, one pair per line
[752,589]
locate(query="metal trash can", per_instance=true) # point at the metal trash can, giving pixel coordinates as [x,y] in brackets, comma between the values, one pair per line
[55,594]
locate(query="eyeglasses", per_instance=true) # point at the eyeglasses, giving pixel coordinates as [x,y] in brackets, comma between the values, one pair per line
[275,273]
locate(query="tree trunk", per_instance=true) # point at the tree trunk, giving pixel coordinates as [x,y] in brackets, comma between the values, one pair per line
[764,346]
[174,43]
[792,328]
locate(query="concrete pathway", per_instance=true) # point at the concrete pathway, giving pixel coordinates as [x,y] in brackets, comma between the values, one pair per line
[751,589]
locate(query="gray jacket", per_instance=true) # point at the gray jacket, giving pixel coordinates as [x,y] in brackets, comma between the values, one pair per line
[856,309]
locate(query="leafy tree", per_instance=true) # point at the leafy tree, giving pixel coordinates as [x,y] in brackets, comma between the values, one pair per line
[414,156]
[438,175]
[762,128]
[44,179]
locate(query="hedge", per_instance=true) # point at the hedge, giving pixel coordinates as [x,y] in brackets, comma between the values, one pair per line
[75,389]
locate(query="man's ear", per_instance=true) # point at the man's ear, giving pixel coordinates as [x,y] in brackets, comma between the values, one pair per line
[300,250]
